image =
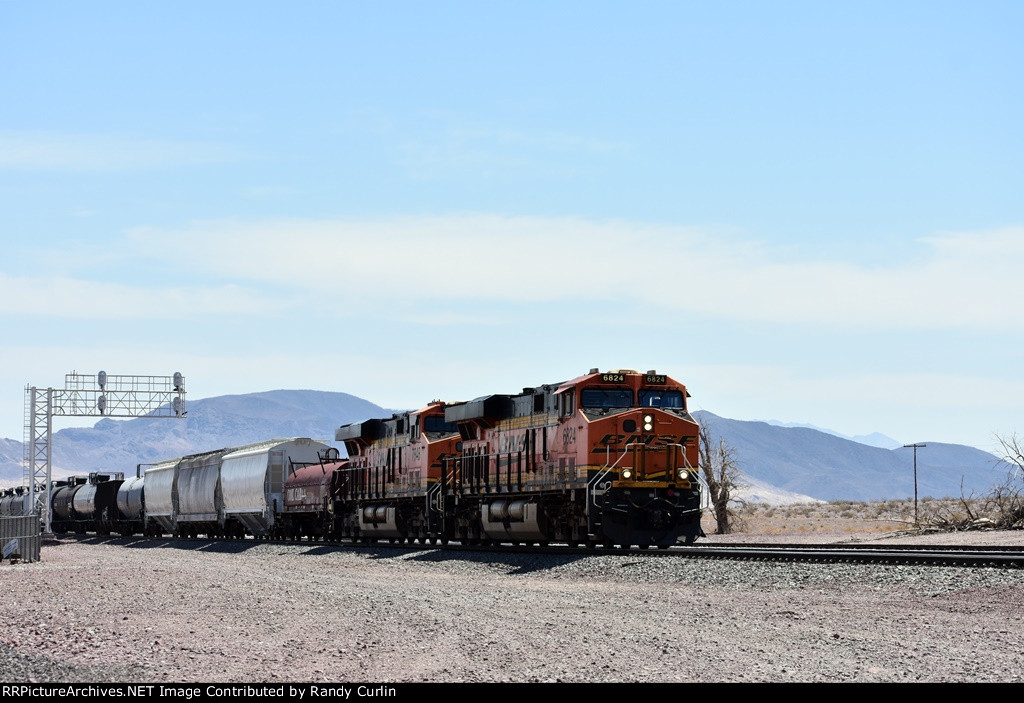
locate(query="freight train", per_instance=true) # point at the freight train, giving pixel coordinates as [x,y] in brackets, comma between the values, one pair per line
[608,458]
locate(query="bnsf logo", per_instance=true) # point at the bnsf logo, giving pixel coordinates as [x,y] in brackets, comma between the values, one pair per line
[648,439]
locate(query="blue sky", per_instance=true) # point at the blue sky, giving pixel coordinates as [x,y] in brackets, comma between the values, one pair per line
[805,211]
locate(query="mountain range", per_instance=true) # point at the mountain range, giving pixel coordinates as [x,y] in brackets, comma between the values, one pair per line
[827,467]
[780,464]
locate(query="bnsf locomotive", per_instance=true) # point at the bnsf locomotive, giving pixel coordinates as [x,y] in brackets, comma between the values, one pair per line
[604,459]
[607,458]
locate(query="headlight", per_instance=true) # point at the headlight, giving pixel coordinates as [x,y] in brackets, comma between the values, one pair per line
[626,474]
[648,423]
[683,474]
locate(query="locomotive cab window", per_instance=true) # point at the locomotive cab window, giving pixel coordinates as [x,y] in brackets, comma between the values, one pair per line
[606,398]
[661,398]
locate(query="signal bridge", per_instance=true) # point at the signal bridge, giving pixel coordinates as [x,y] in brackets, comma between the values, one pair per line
[102,394]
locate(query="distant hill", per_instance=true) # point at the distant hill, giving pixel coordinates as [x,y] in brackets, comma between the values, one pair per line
[822,465]
[875,439]
[782,464]
[211,423]
[11,454]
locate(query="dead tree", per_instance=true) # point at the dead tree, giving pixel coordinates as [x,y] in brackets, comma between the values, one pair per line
[1006,500]
[722,474]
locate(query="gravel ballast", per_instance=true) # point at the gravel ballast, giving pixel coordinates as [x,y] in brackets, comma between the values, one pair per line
[136,611]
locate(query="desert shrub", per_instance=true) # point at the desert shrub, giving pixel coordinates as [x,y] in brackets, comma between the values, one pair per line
[950,514]
[1005,503]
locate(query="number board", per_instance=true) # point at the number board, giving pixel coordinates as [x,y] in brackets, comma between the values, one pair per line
[656,378]
[613,377]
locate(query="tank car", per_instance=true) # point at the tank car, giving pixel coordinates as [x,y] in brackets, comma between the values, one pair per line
[95,504]
[131,506]
[12,502]
[62,503]
[309,496]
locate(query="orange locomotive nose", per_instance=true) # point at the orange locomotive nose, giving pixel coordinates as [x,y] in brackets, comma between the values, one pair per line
[646,444]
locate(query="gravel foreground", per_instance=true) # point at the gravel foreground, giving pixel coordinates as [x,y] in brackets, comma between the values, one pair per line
[122,611]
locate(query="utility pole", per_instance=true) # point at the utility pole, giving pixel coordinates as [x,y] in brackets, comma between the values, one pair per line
[915,448]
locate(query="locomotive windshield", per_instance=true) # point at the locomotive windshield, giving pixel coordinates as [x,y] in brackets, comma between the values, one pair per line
[660,398]
[606,398]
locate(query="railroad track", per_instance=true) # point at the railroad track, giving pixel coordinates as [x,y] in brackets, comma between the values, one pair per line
[931,555]
[975,557]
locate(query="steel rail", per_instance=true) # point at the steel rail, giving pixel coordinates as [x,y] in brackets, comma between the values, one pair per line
[933,555]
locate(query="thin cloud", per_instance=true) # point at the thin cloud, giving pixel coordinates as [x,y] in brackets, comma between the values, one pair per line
[960,280]
[46,151]
[95,300]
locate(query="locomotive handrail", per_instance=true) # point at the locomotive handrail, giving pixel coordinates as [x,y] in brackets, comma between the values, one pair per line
[475,475]
[435,496]
[705,497]
[705,493]
[605,470]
